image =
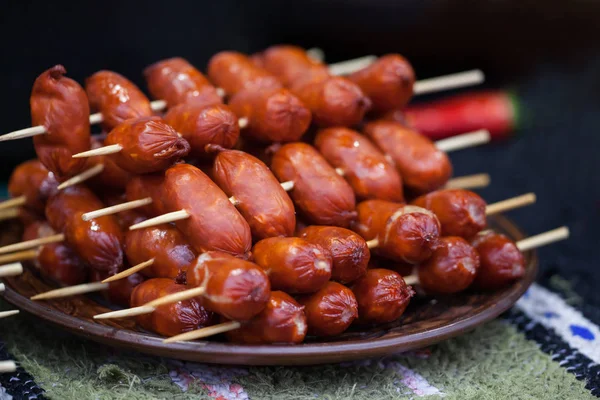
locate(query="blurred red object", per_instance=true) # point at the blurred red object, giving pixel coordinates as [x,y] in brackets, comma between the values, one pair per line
[496,111]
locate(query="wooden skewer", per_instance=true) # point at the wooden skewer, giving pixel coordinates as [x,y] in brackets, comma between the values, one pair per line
[100,151]
[533,242]
[464,140]
[71,291]
[11,270]
[469,182]
[349,66]
[161,219]
[129,271]
[16,202]
[204,332]
[151,306]
[9,214]
[7,366]
[4,314]
[19,256]
[130,205]
[29,244]
[82,177]
[2,287]
[371,244]
[447,82]
[510,204]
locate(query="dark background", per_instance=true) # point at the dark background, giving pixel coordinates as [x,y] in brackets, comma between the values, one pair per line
[547,50]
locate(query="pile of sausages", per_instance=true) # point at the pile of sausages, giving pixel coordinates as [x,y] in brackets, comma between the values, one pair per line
[326,250]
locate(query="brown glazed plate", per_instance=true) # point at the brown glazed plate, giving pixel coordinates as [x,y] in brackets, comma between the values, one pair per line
[427,320]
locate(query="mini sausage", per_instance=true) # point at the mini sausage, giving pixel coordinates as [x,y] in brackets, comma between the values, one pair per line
[331,310]
[169,319]
[282,321]
[234,72]
[451,268]
[349,251]
[323,196]
[422,166]
[501,262]
[99,241]
[259,197]
[61,106]
[148,145]
[293,264]
[176,81]
[461,212]
[365,168]
[201,125]
[32,180]
[171,252]
[388,82]
[382,296]
[403,233]
[116,98]
[143,186]
[235,289]
[112,176]
[214,223]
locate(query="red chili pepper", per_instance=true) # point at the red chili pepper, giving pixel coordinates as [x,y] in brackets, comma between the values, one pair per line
[496,111]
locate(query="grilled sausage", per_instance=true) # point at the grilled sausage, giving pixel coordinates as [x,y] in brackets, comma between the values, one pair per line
[382,296]
[235,289]
[214,223]
[365,168]
[169,319]
[201,125]
[148,145]
[403,233]
[319,192]
[461,212]
[99,241]
[32,180]
[259,197]
[143,186]
[349,251]
[234,72]
[176,81]
[388,82]
[501,262]
[330,311]
[61,106]
[422,166]
[293,264]
[282,321]
[451,268]
[116,98]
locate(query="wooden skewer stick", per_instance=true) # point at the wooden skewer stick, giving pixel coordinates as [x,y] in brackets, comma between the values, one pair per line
[11,270]
[371,244]
[161,219]
[350,66]
[9,214]
[533,242]
[129,271]
[2,287]
[30,244]
[71,291]
[151,306]
[464,141]
[411,279]
[510,204]
[7,366]
[447,82]
[204,332]
[82,177]
[19,256]
[4,314]
[100,151]
[130,205]
[16,202]
[469,182]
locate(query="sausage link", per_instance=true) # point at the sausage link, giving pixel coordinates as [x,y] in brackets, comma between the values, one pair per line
[214,223]
[116,98]
[382,296]
[461,212]
[165,244]
[451,268]
[501,262]
[149,145]
[32,180]
[365,168]
[282,321]
[319,192]
[388,82]
[291,64]
[234,72]
[201,125]
[143,186]
[331,310]
[404,233]
[169,319]
[112,176]
[235,289]
[422,166]
[260,198]
[349,251]
[176,81]
[61,106]
[293,264]
[99,241]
